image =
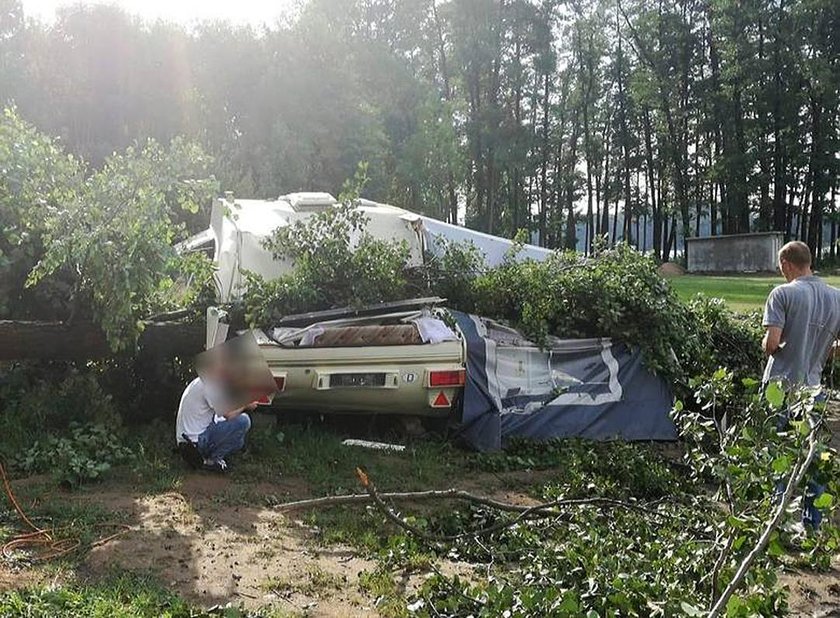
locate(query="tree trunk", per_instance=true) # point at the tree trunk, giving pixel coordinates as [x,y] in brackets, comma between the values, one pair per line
[605,214]
[651,182]
[625,139]
[84,340]
[544,155]
[452,214]
[779,188]
[818,175]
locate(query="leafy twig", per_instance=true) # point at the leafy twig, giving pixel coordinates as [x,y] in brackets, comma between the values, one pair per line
[544,509]
[796,477]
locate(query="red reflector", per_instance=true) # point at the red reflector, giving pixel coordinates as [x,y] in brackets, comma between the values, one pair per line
[441,401]
[280,382]
[447,378]
[264,401]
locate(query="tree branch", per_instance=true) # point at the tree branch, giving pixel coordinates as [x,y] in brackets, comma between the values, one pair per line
[796,477]
[543,509]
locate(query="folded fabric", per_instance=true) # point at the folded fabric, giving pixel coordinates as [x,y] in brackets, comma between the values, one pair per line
[311,335]
[433,330]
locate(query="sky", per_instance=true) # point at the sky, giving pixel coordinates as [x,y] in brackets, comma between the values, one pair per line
[253,12]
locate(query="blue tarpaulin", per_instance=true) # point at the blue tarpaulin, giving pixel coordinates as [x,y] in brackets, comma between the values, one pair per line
[589,388]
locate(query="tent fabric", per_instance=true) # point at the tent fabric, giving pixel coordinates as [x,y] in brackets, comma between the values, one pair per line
[588,388]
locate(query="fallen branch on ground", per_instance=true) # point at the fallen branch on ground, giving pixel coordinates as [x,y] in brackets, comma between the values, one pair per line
[544,509]
[547,509]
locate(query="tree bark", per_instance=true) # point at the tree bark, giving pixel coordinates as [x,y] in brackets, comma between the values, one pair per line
[84,340]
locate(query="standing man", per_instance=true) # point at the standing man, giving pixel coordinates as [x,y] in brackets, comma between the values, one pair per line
[802,318]
[202,439]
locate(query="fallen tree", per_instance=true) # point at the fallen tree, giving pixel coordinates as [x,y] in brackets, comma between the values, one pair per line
[27,340]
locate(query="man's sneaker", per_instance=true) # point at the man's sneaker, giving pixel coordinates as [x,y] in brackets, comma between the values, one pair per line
[189,453]
[220,467]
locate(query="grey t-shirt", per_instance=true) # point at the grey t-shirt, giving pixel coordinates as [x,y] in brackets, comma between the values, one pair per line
[808,312]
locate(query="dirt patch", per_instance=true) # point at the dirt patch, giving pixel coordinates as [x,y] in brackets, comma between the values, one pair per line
[813,594]
[670,269]
[210,550]
[11,579]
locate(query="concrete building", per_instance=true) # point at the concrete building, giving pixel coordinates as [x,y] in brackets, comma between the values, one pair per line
[734,253]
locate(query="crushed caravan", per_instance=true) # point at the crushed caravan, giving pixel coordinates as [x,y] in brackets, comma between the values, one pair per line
[384,361]
[393,358]
[418,358]
[239,227]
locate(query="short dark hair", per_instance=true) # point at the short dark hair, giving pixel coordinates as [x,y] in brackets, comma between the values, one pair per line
[797,253]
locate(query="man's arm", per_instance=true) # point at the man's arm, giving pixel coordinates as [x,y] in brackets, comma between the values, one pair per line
[775,316]
[238,411]
[772,340]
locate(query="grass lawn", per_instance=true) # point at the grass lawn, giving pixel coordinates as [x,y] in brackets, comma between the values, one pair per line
[741,292]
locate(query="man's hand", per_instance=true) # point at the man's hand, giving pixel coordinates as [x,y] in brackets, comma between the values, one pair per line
[238,411]
[772,340]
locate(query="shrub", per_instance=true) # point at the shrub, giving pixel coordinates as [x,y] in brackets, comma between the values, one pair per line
[617,293]
[724,339]
[37,398]
[337,264]
[70,408]
[86,454]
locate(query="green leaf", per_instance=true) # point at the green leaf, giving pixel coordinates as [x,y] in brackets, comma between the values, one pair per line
[691,610]
[734,605]
[750,383]
[775,395]
[824,501]
[775,548]
[781,464]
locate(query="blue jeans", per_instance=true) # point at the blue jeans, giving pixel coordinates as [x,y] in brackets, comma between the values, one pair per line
[224,437]
[811,515]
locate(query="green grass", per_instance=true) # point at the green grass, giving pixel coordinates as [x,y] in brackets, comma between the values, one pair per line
[122,595]
[741,292]
[318,457]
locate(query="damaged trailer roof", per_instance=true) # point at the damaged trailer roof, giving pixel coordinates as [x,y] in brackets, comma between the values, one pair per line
[239,228]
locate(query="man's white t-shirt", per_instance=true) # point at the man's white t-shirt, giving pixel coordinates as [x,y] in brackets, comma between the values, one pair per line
[195,412]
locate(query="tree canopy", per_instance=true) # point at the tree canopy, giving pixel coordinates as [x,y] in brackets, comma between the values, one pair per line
[644,120]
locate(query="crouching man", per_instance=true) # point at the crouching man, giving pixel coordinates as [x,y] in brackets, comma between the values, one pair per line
[205,433]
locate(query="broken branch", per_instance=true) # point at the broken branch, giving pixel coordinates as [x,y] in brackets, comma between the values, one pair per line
[796,477]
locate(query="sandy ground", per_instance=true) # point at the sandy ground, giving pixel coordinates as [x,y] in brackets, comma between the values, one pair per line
[817,594]
[215,553]
[203,543]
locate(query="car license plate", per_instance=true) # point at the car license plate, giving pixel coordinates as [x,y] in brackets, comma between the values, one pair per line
[357,380]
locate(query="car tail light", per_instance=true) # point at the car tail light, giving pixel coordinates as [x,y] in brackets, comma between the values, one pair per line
[439,379]
[280,382]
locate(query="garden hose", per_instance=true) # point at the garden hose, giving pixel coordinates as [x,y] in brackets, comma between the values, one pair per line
[53,547]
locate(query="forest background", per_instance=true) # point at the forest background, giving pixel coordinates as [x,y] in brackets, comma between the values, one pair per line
[643,120]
